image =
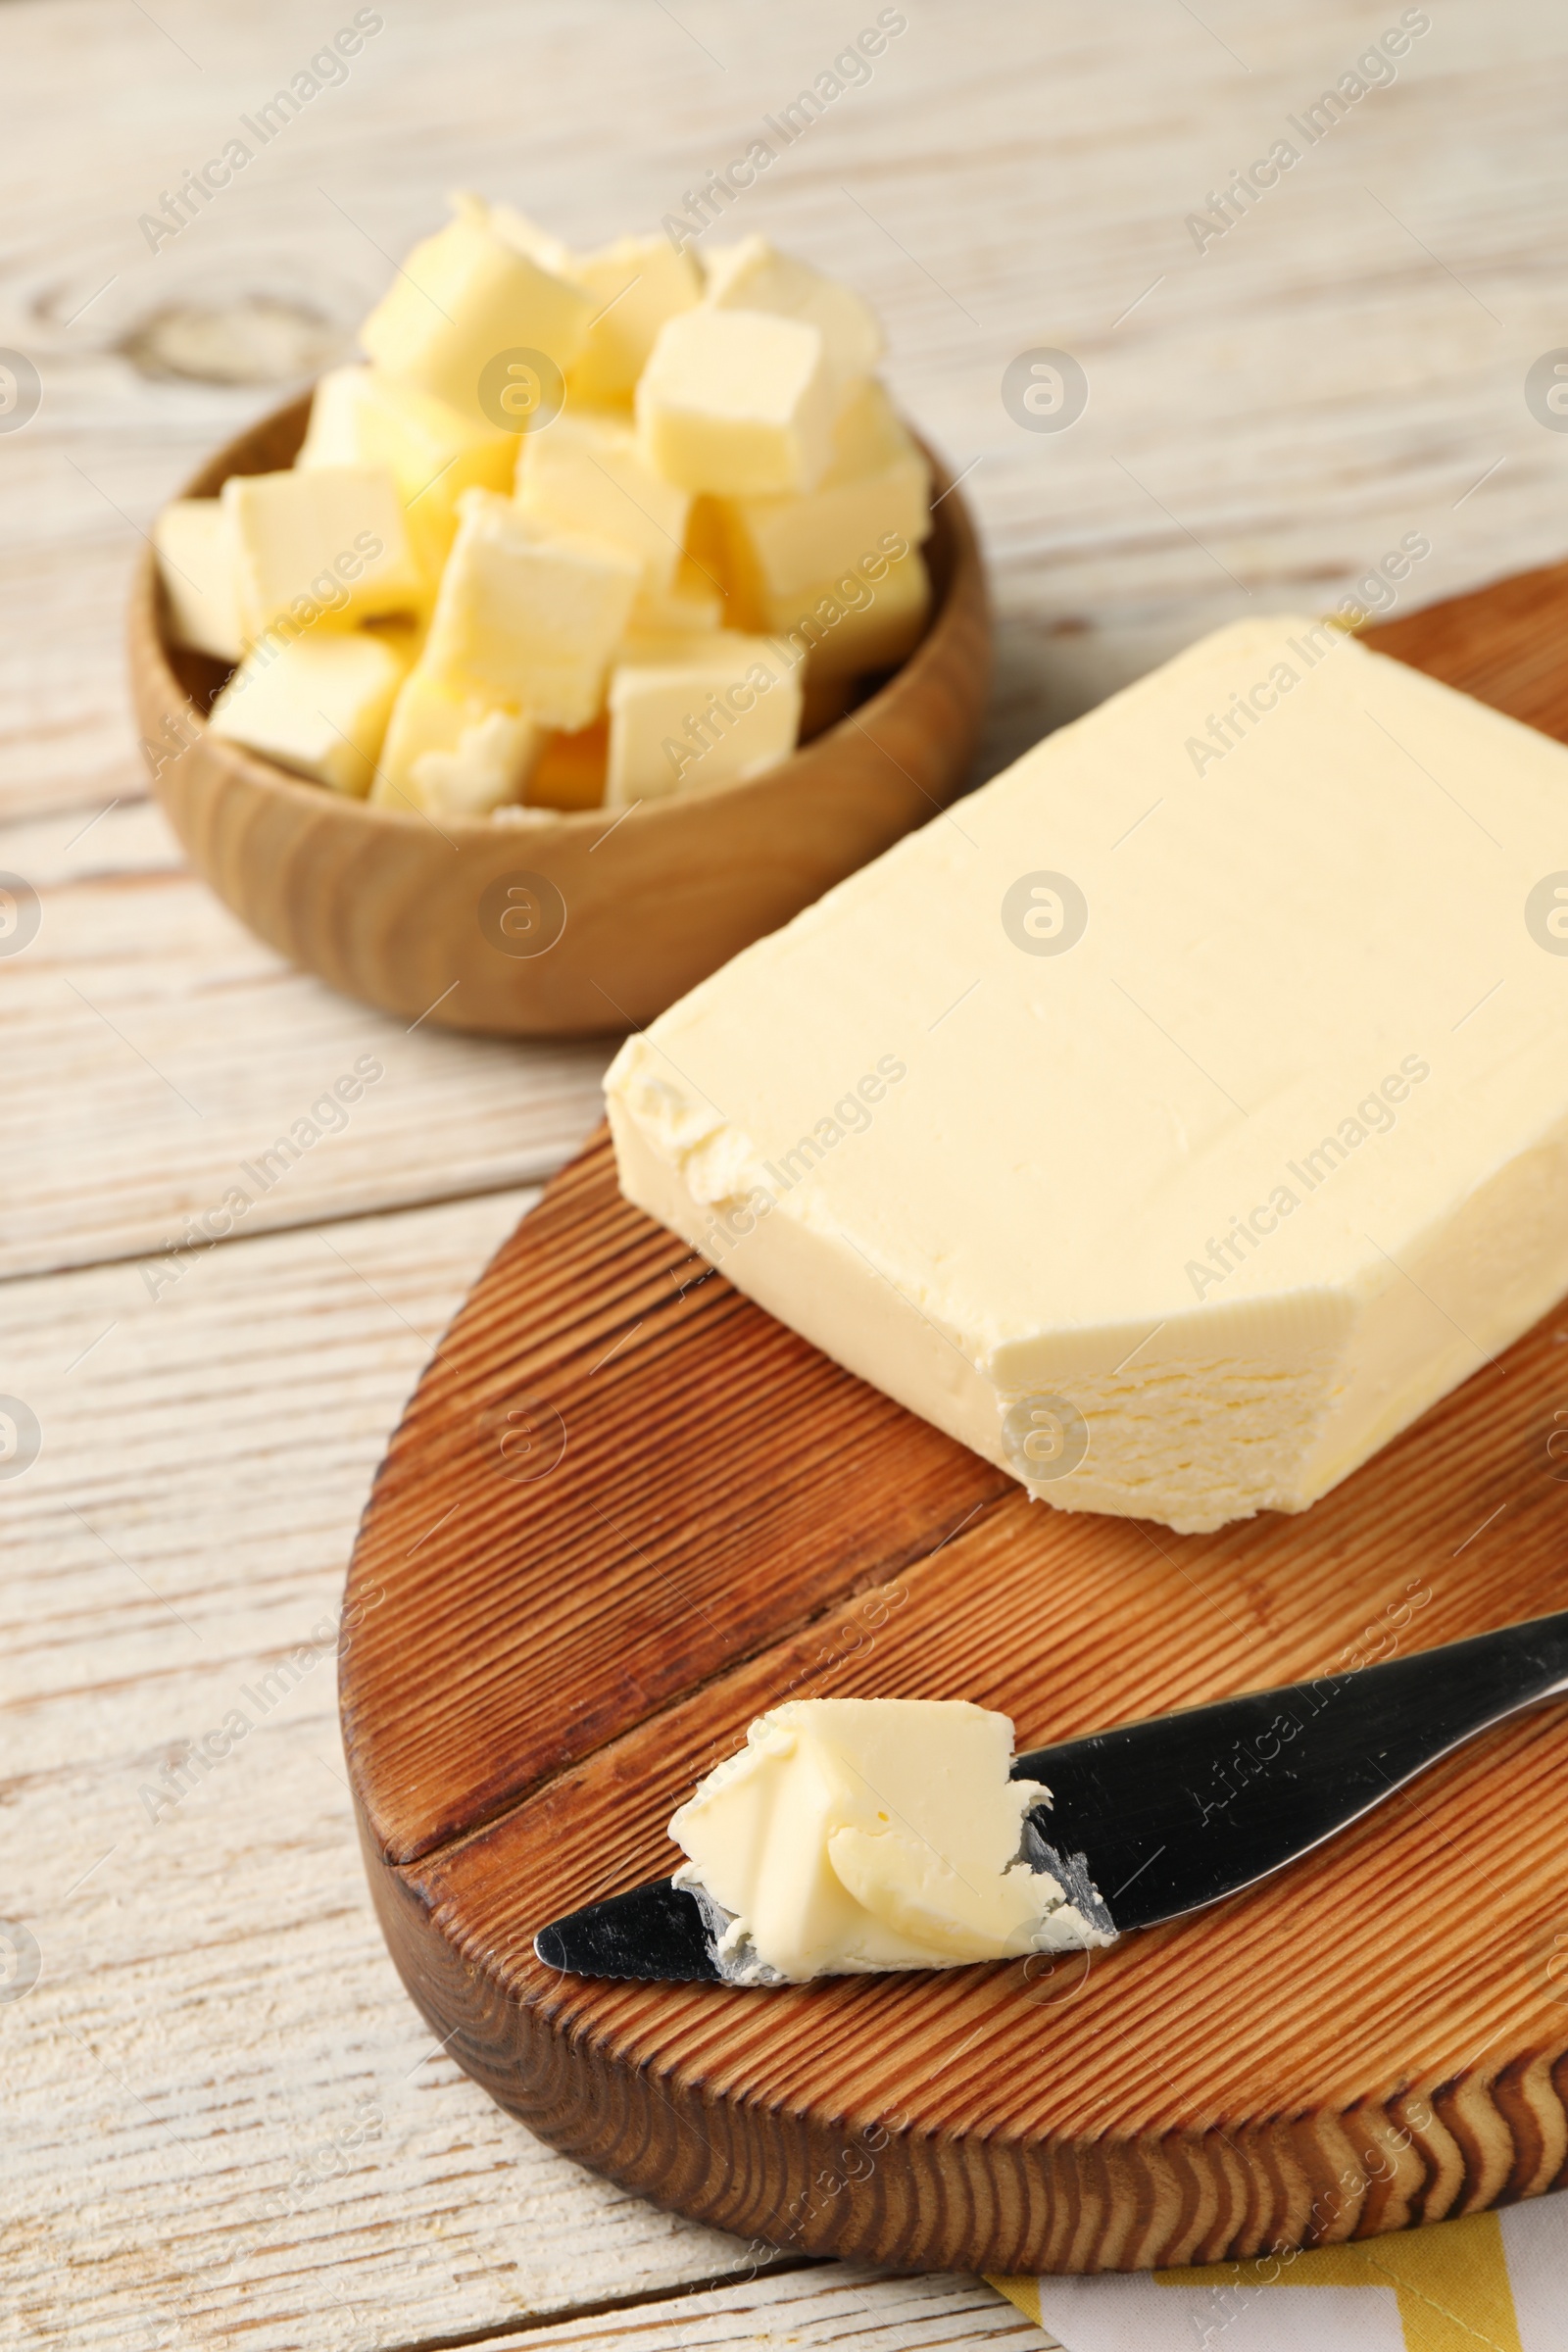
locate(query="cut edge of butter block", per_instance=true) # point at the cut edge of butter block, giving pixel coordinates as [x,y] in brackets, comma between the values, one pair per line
[479,765]
[194,544]
[316,705]
[488,766]
[1234,1047]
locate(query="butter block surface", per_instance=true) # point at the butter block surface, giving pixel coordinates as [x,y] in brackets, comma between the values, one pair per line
[320,548]
[737,401]
[317,704]
[194,543]
[1182,1115]
[529,618]
[692,601]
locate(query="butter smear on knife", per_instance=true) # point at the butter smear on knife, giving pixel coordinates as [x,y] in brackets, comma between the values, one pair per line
[857,1834]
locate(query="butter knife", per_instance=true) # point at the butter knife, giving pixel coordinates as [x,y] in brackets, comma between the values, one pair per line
[1176,1812]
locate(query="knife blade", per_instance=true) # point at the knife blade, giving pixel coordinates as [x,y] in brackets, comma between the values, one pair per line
[1175,1812]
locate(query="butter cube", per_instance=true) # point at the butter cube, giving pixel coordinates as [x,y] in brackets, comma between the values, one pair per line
[427,717]
[642,646]
[877,481]
[754,275]
[585,473]
[325,547]
[449,753]
[316,704]
[195,549]
[541,245]
[433,453]
[486,768]
[704,717]
[868,617]
[529,618]
[465,296]
[737,401]
[692,604]
[637,283]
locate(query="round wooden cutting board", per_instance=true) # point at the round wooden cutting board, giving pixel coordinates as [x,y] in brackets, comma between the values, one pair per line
[626,1511]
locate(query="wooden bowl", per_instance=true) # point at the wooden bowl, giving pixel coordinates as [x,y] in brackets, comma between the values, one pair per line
[387,907]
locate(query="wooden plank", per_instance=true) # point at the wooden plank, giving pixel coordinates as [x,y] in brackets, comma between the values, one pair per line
[832,2309]
[227,2123]
[157,1054]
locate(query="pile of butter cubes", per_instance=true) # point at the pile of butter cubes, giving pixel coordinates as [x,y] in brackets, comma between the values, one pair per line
[588,528]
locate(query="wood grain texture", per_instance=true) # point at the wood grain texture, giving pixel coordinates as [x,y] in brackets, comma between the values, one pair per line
[627,1511]
[154,1050]
[389,905]
[816,2309]
[226,2126]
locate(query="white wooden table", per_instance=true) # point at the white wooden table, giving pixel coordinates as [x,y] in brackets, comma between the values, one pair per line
[224,2121]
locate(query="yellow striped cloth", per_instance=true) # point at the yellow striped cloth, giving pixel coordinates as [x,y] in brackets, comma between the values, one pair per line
[1493,2283]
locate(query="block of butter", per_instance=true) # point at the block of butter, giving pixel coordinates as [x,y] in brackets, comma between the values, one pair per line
[737,401]
[1179,1118]
[586,473]
[866,616]
[877,483]
[462,300]
[195,549]
[360,416]
[754,275]
[857,1834]
[450,753]
[528,617]
[320,548]
[690,714]
[317,704]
